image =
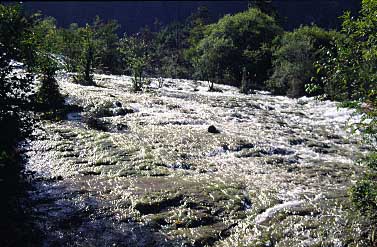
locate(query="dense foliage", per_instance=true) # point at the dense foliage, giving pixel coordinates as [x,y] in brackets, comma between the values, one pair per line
[235,42]
[15,121]
[15,88]
[362,36]
[134,53]
[349,73]
[44,43]
[349,67]
[294,56]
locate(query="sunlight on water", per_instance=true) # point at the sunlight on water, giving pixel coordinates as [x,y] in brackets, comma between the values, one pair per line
[145,171]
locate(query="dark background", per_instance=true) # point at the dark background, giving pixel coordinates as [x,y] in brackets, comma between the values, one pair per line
[132,15]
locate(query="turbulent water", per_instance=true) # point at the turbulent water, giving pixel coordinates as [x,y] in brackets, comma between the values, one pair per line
[141,169]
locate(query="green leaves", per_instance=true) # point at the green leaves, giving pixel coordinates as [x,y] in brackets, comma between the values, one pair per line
[294,57]
[134,52]
[349,68]
[234,42]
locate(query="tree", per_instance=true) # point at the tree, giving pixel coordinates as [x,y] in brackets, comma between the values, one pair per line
[108,57]
[170,44]
[71,46]
[45,42]
[234,42]
[246,82]
[348,68]
[349,71]
[15,89]
[135,55]
[264,5]
[294,55]
[87,57]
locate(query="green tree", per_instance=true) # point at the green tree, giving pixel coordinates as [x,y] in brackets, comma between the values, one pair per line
[108,57]
[86,62]
[45,42]
[294,55]
[170,44]
[71,46]
[15,122]
[14,88]
[349,72]
[135,55]
[234,42]
[349,68]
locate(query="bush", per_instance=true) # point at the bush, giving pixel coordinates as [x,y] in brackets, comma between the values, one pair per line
[294,56]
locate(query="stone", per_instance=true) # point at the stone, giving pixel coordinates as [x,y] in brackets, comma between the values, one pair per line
[117,104]
[212,129]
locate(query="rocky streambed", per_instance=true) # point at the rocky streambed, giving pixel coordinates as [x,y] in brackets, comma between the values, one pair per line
[141,169]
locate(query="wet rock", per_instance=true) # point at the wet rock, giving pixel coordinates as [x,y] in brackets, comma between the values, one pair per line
[278,160]
[321,147]
[225,147]
[103,163]
[184,166]
[215,89]
[90,173]
[73,116]
[203,235]
[318,144]
[253,105]
[275,161]
[324,150]
[243,145]
[152,207]
[296,141]
[217,151]
[57,178]
[117,104]
[193,218]
[159,220]
[248,153]
[281,151]
[236,115]
[121,111]
[333,136]
[95,123]
[212,129]
[121,127]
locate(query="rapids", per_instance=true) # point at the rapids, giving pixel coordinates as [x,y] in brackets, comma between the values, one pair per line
[141,169]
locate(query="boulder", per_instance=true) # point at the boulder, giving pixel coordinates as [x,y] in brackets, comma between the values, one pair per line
[212,129]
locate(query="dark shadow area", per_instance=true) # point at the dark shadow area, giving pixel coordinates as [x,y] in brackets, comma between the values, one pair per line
[67,217]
